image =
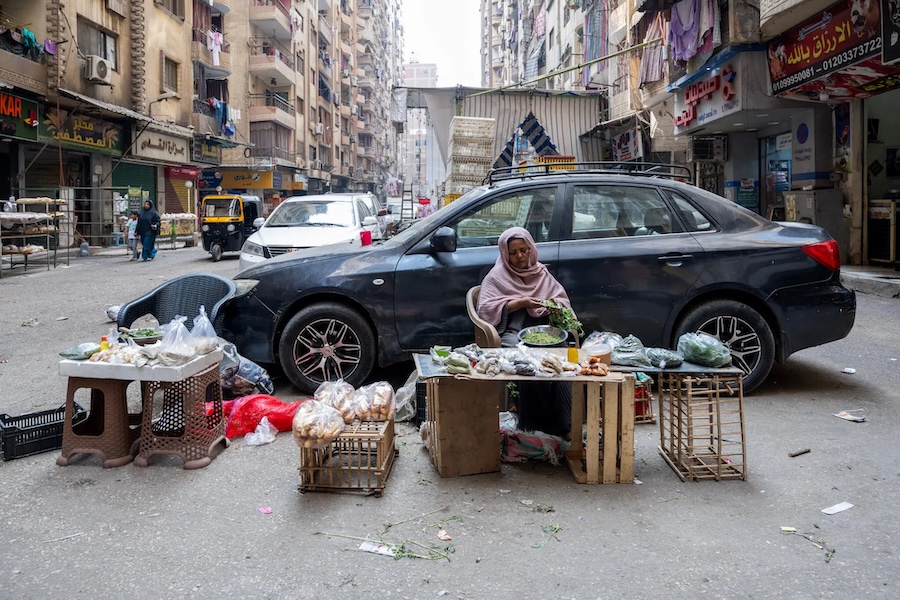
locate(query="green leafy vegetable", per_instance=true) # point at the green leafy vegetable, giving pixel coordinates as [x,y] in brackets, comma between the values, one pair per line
[563,317]
[539,337]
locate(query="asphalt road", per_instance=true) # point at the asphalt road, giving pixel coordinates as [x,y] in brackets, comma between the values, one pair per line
[86,532]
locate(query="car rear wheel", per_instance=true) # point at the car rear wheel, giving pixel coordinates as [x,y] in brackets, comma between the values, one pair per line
[326,342]
[742,329]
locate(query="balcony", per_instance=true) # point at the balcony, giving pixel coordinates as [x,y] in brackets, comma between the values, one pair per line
[272,107]
[360,72]
[271,62]
[271,154]
[364,59]
[326,65]
[272,17]
[365,8]
[618,23]
[325,30]
[345,110]
[204,119]
[218,63]
[345,138]
[369,152]
[776,16]
[23,68]
[360,98]
[360,124]
[366,82]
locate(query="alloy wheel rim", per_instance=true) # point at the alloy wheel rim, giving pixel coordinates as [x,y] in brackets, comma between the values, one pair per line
[327,350]
[741,339]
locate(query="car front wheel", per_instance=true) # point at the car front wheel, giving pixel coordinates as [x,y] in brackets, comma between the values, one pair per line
[326,342]
[742,329]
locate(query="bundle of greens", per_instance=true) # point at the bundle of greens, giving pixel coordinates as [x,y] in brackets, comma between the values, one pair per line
[563,317]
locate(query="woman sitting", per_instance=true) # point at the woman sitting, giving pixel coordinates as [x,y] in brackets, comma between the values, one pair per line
[511,299]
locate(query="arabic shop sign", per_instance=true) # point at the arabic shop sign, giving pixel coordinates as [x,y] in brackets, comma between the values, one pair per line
[205,152]
[160,146]
[18,117]
[80,132]
[247,180]
[707,100]
[832,40]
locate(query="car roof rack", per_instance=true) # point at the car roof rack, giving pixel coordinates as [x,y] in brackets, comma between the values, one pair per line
[645,169]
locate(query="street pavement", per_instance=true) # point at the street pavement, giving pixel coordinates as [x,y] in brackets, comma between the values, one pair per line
[86,532]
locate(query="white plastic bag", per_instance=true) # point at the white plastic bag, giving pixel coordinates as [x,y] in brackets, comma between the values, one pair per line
[264,434]
[406,399]
[175,347]
[203,335]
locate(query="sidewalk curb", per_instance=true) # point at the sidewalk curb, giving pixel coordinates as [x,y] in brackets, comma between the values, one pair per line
[875,284]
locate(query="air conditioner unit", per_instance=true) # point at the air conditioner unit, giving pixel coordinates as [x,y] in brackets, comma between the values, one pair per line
[97,69]
[353,109]
[345,72]
[316,164]
[708,149]
[320,128]
[352,139]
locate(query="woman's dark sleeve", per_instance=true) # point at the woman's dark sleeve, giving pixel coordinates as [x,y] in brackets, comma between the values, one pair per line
[504,319]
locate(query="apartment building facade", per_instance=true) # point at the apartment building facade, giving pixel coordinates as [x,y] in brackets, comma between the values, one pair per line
[172,100]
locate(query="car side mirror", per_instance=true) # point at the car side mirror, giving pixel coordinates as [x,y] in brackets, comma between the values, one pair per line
[370,221]
[258,222]
[444,240]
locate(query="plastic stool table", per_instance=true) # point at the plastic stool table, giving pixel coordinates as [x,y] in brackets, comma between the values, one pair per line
[108,430]
[183,428]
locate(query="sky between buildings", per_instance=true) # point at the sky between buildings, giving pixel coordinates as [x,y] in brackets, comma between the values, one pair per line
[446,33]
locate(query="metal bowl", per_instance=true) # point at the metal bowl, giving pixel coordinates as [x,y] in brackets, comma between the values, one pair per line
[562,335]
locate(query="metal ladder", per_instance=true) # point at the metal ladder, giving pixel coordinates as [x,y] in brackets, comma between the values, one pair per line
[407,207]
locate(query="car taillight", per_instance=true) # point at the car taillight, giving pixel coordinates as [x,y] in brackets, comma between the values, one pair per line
[825,253]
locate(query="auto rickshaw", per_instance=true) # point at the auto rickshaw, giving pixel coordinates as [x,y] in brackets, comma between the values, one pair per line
[226,221]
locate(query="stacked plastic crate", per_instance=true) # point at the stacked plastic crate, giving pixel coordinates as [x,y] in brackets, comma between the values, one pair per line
[471,153]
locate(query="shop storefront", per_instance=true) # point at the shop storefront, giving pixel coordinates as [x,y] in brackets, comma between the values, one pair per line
[839,59]
[156,143]
[740,139]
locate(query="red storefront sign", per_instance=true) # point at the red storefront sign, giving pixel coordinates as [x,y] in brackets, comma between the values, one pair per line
[834,54]
[182,173]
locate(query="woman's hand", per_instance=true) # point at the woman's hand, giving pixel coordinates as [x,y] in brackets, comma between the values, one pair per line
[524,303]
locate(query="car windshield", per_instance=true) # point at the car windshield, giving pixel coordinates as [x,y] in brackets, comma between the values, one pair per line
[222,207]
[321,213]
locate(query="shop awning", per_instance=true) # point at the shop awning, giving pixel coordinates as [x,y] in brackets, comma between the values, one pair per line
[108,107]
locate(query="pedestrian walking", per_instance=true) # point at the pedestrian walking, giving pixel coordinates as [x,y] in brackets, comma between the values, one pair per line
[147,229]
[132,235]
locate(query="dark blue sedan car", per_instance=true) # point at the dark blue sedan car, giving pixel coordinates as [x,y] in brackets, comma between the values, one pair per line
[638,253]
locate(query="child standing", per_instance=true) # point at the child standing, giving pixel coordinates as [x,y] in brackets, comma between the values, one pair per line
[132,235]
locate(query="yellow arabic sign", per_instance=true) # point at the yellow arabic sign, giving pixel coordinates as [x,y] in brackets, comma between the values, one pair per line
[81,132]
[246,180]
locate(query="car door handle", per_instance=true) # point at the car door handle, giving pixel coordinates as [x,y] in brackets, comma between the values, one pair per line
[675,258]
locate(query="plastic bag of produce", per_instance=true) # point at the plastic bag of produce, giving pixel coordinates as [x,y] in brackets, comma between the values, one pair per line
[245,413]
[339,395]
[704,349]
[241,376]
[602,337]
[405,399]
[204,335]
[316,424]
[81,351]
[630,352]
[375,402]
[175,347]
[662,357]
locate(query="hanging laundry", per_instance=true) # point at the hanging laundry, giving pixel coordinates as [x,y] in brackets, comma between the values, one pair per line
[653,58]
[50,47]
[684,29]
[540,21]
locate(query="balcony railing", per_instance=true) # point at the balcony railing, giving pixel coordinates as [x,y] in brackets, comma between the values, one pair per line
[272,100]
[276,3]
[271,152]
[268,47]
[200,35]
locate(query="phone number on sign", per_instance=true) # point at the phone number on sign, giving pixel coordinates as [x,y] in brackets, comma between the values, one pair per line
[848,56]
[792,80]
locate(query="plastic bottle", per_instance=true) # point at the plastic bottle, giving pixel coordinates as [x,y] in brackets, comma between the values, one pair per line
[572,356]
[104,343]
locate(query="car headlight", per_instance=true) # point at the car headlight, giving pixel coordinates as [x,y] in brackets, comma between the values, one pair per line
[204,228]
[230,227]
[253,248]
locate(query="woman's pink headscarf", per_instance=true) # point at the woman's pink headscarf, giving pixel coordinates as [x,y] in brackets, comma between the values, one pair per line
[504,282]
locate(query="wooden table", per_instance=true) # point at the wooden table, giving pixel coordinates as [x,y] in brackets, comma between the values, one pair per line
[463,429]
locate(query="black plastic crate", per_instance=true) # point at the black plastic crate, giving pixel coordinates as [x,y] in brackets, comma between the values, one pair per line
[421,400]
[35,432]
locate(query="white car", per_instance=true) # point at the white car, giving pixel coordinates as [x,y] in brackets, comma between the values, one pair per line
[311,221]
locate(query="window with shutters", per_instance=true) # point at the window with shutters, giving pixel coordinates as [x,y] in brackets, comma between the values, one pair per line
[175,7]
[169,71]
[94,40]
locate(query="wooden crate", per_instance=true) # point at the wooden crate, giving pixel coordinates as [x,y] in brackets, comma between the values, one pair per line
[359,460]
[607,455]
[701,425]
